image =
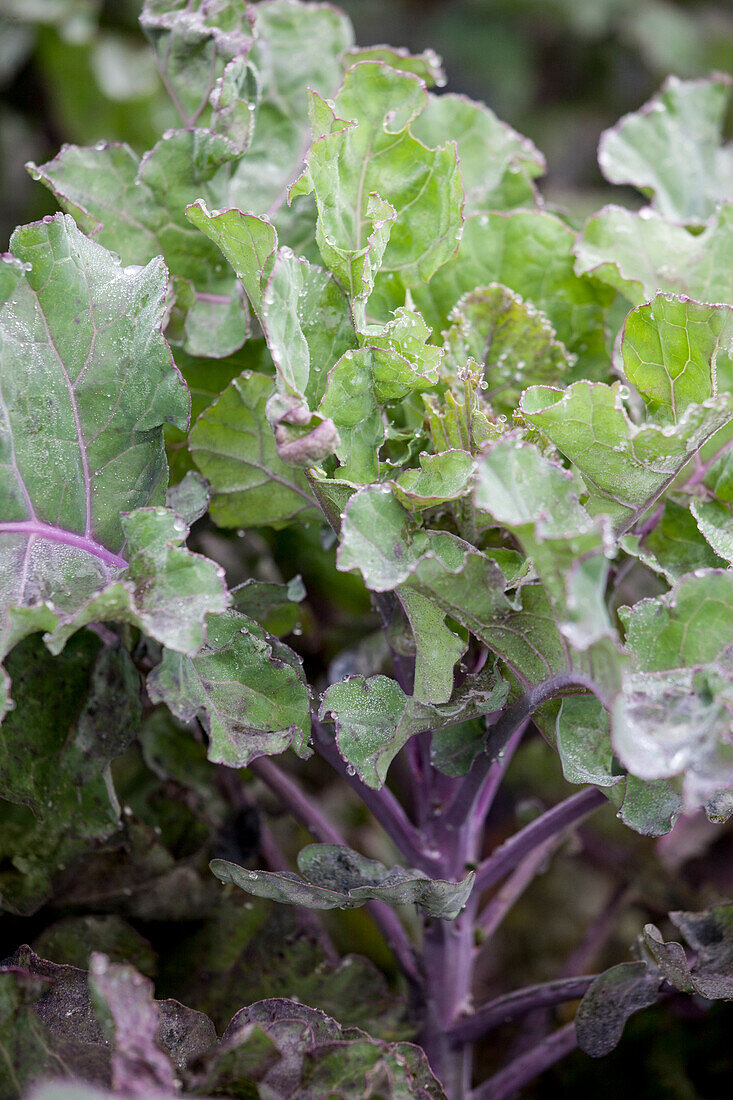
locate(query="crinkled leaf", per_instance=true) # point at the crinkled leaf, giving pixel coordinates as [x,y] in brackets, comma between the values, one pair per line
[583,740]
[137,208]
[319,1056]
[248,242]
[531,253]
[235,449]
[669,351]
[710,935]
[437,647]
[498,165]
[189,499]
[193,44]
[373,154]
[715,523]
[535,499]
[427,65]
[510,339]
[335,877]
[374,718]
[441,477]
[650,807]
[640,254]
[670,149]
[613,997]
[248,688]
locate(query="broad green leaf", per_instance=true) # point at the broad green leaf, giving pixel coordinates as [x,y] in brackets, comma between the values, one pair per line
[275,606]
[374,718]
[650,807]
[70,941]
[335,877]
[690,626]
[233,446]
[583,741]
[510,339]
[165,590]
[531,253]
[536,500]
[669,350]
[613,997]
[193,45]
[189,499]
[428,66]
[137,209]
[671,150]
[249,953]
[498,165]
[710,935]
[373,153]
[673,717]
[640,254]
[380,539]
[296,46]
[248,688]
[441,477]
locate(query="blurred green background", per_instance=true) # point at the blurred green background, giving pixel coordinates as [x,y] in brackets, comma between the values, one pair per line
[559,71]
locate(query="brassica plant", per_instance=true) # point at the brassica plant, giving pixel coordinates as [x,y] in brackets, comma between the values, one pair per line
[328,325]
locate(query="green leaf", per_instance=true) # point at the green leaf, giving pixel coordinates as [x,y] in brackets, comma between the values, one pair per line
[307,323]
[510,339]
[583,740]
[715,523]
[536,500]
[319,1057]
[275,606]
[498,165]
[437,648]
[189,499]
[650,807]
[165,590]
[137,209]
[669,350]
[428,66]
[670,149]
[675,546]
[531,253]
[335,877]
[375,154]
[234,448]
[248,242]
[640,254]
[374,718]
[193,46]
[248,688]
[673,717]
[358,387]
[442,477]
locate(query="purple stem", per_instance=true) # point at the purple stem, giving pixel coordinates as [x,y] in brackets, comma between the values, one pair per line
[382,803]
[505,858]
[507,1082]
[513,1005]
[302,807]
[505,898]
[501,733]
[36,529]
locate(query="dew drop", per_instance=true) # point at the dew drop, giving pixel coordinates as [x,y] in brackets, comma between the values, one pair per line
[253,874]
[350,769]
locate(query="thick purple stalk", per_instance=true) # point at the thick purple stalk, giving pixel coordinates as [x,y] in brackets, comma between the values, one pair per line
[508,1082]
[304,809]
[506,857]
[511,1007]
[502,733]
[35,529]
[514,1005]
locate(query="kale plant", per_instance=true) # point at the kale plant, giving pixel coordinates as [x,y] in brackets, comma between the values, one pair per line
[330,323]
